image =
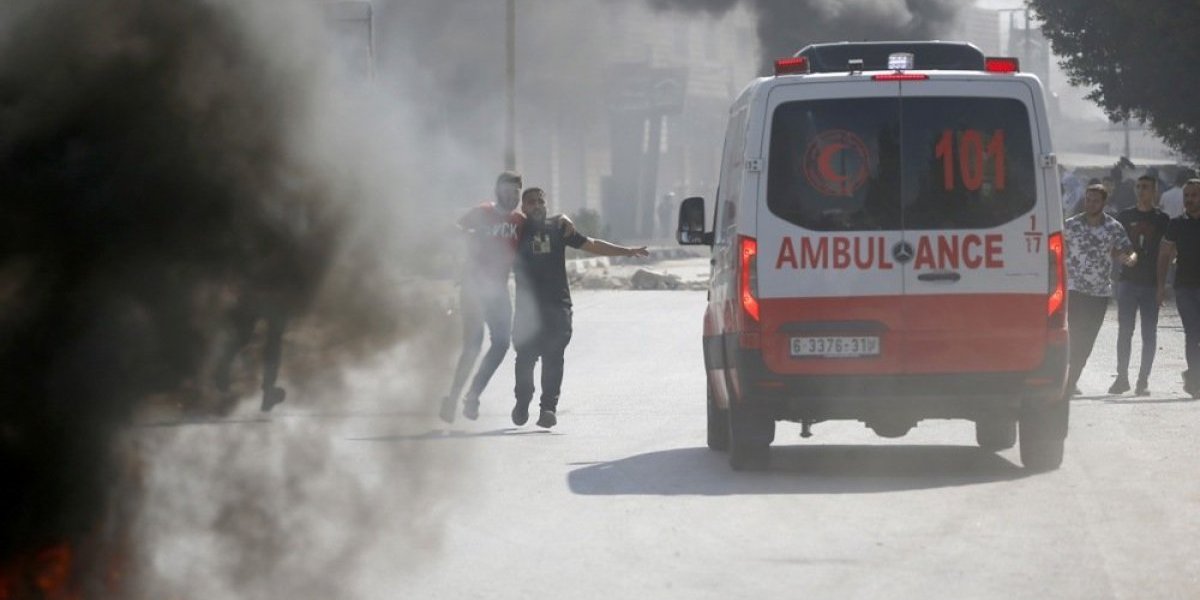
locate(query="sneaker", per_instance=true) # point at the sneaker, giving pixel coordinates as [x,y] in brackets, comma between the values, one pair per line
[471,408]
[1120,386]
[1142,389]
[547,419]
[520,413]
[271,397]
[449,406]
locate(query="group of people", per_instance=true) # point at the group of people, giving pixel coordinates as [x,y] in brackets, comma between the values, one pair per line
[1144,241]
[1121,191]
[525,241]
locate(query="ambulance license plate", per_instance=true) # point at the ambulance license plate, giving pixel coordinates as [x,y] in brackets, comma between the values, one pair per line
[835,346]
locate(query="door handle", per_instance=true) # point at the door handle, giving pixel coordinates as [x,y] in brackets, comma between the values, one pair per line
[939,277]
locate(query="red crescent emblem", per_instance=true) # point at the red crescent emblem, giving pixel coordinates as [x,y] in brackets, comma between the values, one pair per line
[837,163]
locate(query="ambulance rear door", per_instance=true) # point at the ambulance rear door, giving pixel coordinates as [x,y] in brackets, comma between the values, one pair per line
[975,221]
[829,290]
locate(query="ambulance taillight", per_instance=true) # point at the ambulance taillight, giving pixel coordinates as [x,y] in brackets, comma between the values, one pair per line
[1056,304]
[748,334]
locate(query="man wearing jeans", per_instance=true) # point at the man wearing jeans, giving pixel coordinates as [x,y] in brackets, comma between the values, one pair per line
[492,230]
[1093,239]
[1137,288]
[1181,243]
[542,319]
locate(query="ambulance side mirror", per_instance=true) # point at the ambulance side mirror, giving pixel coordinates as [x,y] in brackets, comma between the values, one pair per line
[691,223]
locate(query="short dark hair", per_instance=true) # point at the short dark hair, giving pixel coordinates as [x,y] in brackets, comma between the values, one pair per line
[509,177]
[1098,188]
[531,191]
[1150,178]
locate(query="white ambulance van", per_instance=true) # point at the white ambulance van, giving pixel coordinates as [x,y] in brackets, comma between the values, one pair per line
[887,247]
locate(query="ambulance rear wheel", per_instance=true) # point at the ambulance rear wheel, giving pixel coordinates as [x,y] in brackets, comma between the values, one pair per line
[751,431]
[718,426]
[994,435]
[1043,433]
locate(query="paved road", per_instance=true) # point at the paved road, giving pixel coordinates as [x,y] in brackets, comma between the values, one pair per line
[622,499]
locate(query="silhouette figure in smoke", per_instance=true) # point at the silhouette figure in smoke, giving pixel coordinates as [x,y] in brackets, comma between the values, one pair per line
[264,296]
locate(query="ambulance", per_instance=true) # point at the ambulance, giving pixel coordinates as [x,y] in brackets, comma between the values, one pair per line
[887,247]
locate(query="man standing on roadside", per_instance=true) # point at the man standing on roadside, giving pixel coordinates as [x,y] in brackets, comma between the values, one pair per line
[1137,288]
[492,231]
[542,322]
[1181,243]
[1093,238]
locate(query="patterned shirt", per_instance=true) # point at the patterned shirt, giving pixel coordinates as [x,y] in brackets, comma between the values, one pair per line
[493,235]
[1089,253]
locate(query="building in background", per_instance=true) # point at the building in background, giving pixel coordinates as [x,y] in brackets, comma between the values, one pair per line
[655,124]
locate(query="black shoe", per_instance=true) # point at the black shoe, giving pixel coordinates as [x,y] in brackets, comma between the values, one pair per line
[271,397]
[449,406]
[1142,389]
[471,408]
[1120,386]
[520,413]
[1075,391]
[547,419]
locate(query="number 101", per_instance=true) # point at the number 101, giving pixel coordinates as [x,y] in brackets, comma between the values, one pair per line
[971,155]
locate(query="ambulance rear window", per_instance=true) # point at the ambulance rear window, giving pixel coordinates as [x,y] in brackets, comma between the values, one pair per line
[886,164]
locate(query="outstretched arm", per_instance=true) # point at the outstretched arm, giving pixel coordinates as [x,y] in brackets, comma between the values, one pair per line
[604,248]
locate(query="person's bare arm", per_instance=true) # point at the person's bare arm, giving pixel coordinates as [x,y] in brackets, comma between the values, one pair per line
[604,248]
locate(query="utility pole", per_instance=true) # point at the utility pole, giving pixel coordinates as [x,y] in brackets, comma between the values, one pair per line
[510,131]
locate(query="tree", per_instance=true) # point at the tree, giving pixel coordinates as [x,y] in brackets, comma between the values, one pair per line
[1141,58]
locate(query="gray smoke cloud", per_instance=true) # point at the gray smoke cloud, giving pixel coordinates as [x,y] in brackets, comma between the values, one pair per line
[785,26]
[160,161]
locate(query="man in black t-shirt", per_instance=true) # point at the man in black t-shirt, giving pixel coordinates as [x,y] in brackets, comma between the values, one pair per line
[1181,243]
[542,317]
[1137,286]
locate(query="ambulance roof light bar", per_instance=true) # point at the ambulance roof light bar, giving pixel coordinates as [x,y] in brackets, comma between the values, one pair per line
[900,61]
[1001,64]
[795,65]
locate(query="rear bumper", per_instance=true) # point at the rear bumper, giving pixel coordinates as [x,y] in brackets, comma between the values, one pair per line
[971,396]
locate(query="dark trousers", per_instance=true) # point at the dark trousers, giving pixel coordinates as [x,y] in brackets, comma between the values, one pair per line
[1085,315]
[1187,300]
[242,320]
[1131,299]
[541,334]
[479,307]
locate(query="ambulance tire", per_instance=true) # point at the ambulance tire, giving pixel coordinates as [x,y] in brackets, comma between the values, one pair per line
[751,431]
[718,426]
[1043,433]
[994,435]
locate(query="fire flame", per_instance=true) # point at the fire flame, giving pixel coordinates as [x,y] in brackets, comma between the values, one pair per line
[47,574]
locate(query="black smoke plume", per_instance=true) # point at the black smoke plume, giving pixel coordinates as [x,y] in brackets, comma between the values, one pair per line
[148,180]
[785,26]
